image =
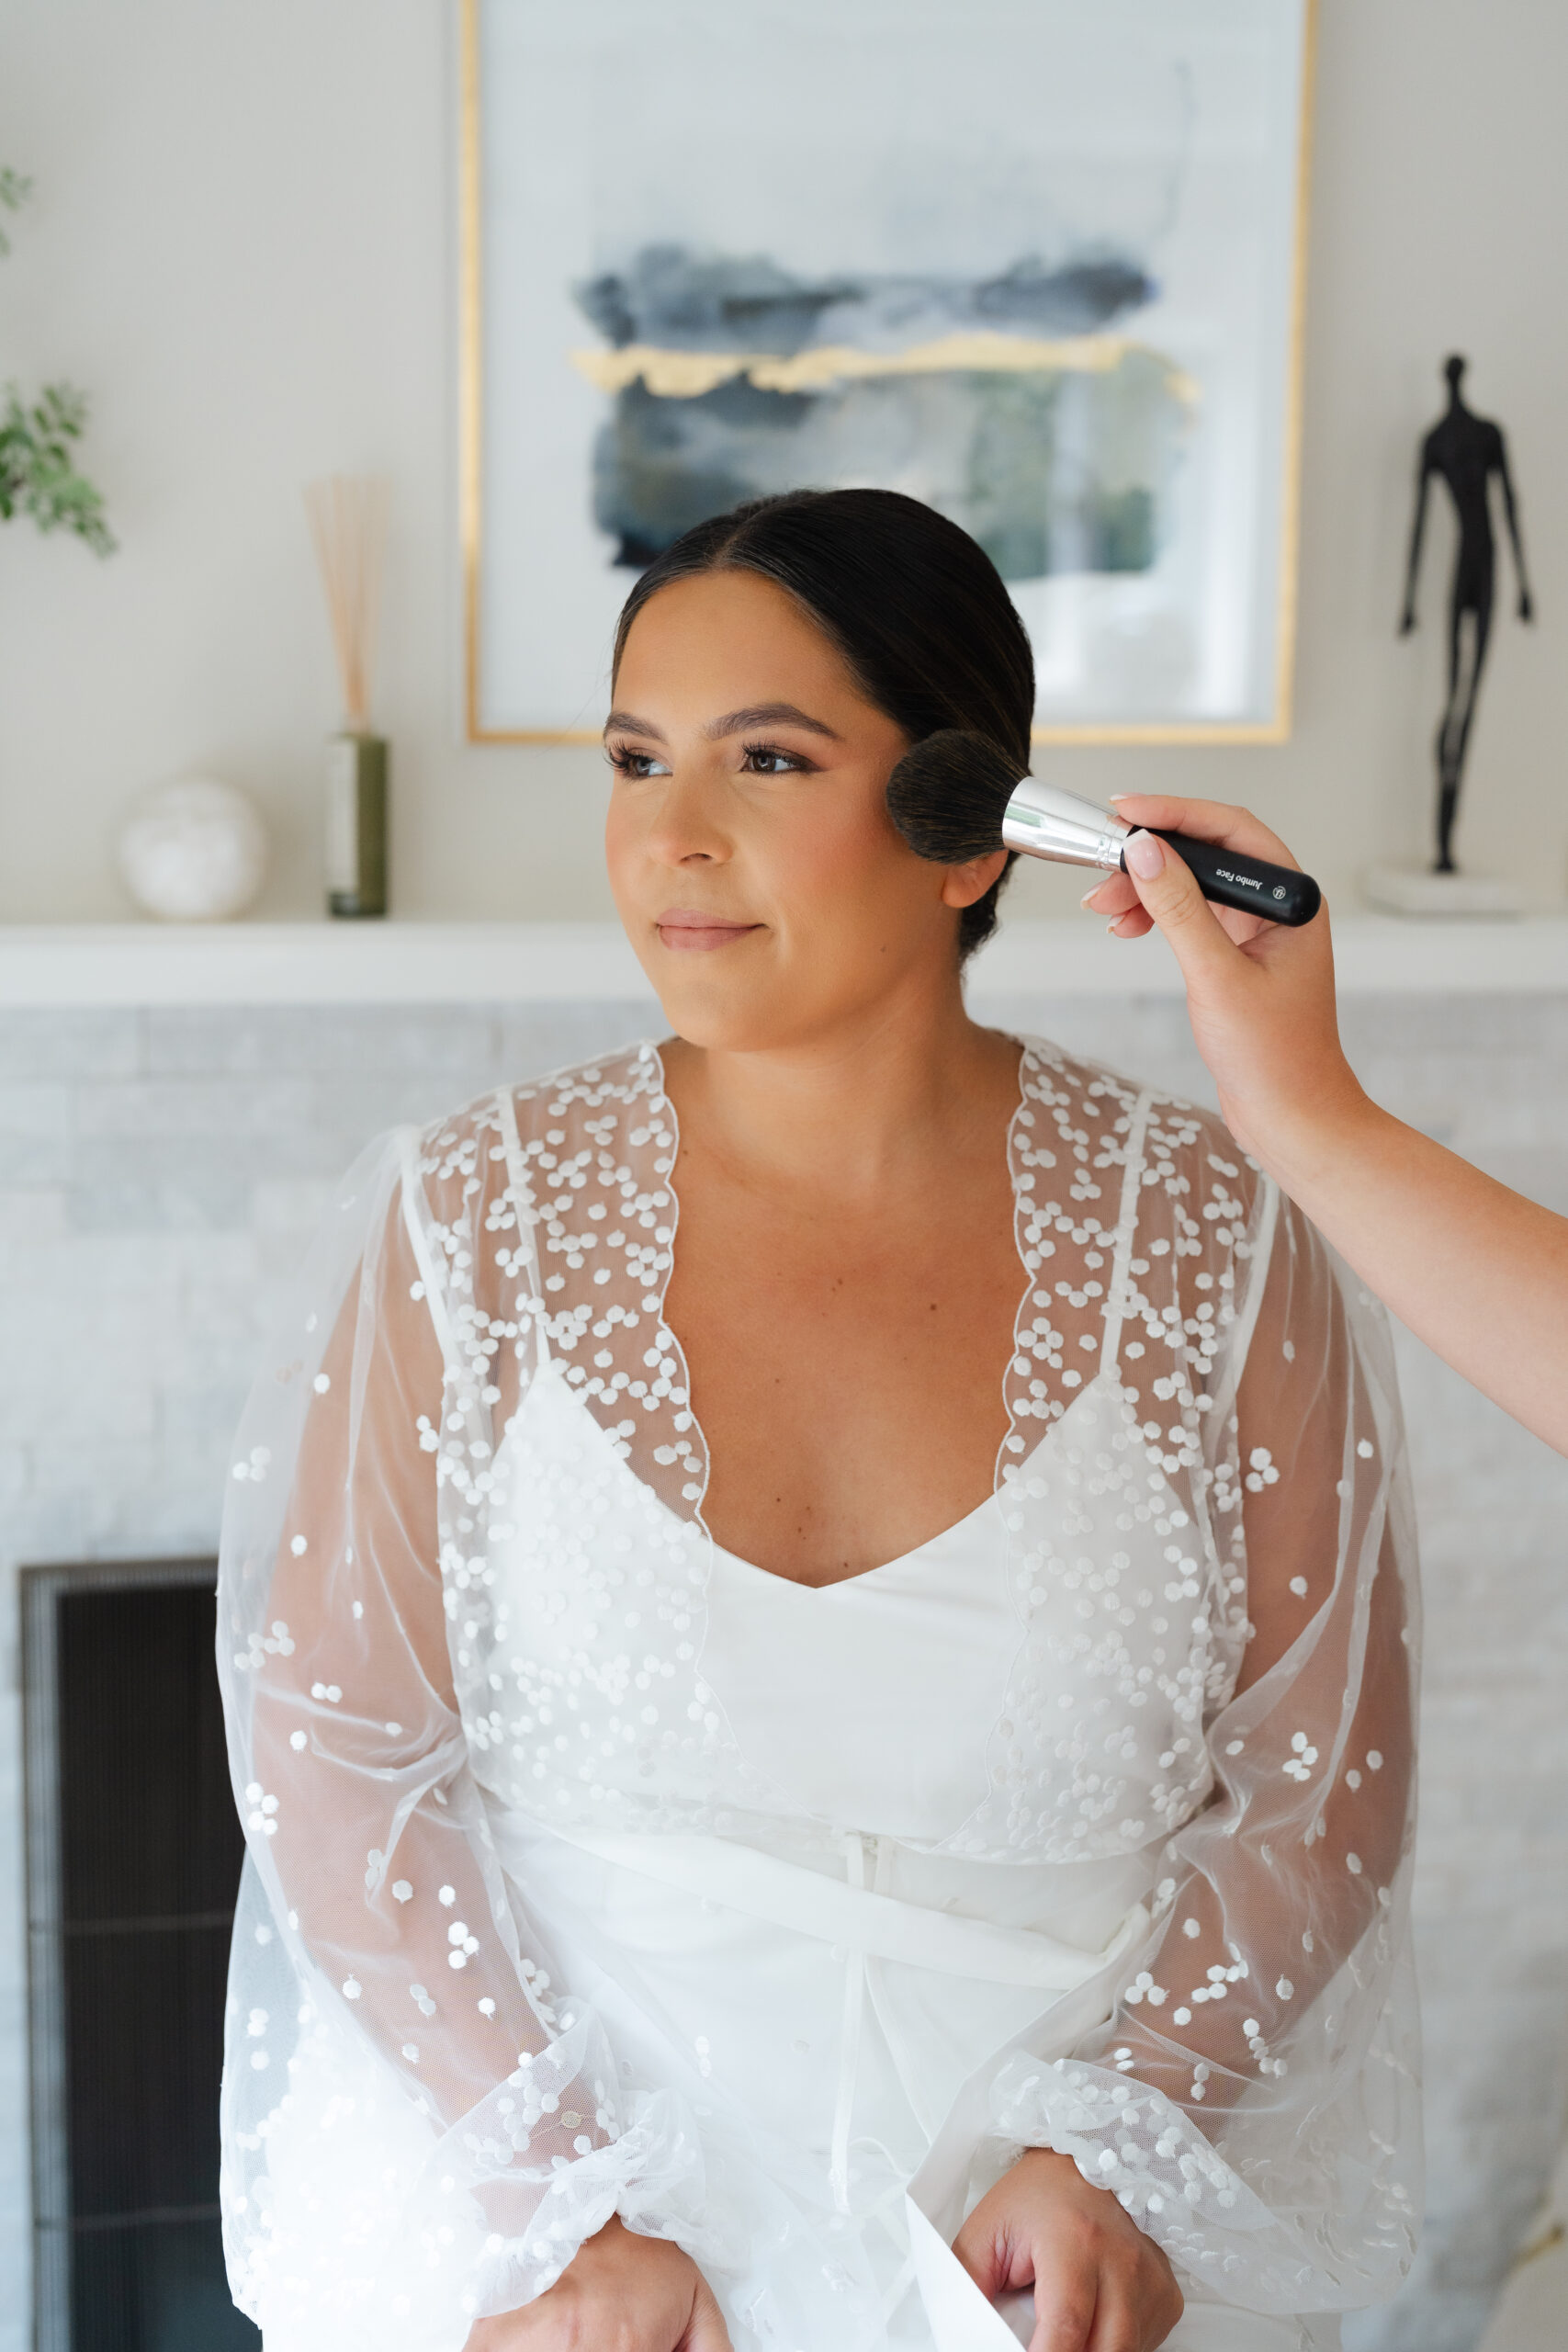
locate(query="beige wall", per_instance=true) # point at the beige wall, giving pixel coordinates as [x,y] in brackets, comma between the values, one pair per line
[241,244]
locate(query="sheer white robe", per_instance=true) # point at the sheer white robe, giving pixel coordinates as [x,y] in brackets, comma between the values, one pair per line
[582,1880]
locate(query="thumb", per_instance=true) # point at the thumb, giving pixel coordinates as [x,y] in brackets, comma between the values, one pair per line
[1169,890]
[982,2250]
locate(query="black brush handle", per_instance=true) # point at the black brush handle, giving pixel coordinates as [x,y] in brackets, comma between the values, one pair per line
[1276,892]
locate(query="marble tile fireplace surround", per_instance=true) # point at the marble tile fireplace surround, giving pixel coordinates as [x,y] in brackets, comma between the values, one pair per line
[172,1119]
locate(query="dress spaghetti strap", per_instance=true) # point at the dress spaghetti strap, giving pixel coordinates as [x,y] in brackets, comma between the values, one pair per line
[1126,1226]
[522,1202]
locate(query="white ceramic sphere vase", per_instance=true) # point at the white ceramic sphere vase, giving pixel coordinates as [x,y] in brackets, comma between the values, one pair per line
[194,851]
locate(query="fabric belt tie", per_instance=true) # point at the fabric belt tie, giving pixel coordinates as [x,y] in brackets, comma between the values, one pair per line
[866,1924]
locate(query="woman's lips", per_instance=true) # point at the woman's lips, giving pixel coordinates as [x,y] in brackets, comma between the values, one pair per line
[689,931]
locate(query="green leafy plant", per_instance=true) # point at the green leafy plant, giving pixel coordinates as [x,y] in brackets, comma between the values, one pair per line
[37,439]
[13,193]
[38,471]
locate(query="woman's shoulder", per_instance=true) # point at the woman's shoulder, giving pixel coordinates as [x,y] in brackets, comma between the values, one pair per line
[559,1121]
[1171,1217]
[1112,1101]
[565,1095]
[1183,1171]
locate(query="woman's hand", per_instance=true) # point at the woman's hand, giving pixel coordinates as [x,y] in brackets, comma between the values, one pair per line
[1099,2284]
[1260,996]
[620,2293]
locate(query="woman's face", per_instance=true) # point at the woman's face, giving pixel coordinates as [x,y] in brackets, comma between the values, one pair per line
[752,859]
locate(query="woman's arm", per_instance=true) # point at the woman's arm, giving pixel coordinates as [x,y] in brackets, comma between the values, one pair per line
[1476,1271]
[1250,2104]
[361,1474]
[358,1790]
[1293,1866]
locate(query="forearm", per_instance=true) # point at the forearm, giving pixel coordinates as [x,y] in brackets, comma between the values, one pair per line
[377,1875]
[1476,1271]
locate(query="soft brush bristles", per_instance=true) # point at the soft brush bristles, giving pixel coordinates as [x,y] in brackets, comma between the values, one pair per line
[947,794]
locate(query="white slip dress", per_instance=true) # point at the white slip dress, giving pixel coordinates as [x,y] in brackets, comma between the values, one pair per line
[594,1868]
[831,2004]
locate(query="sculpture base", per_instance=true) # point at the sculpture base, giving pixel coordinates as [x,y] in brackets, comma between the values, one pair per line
[1400,890]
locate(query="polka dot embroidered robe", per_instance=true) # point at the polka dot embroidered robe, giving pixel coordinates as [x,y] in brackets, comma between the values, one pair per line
[471,1639]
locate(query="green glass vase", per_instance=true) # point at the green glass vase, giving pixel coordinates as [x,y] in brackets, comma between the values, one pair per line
[356,825]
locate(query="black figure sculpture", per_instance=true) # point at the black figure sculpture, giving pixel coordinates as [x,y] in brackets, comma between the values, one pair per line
[1463,450]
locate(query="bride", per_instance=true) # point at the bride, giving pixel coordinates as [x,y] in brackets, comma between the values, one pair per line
[816,1621]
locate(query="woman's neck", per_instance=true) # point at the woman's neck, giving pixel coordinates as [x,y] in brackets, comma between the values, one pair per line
[881,1102]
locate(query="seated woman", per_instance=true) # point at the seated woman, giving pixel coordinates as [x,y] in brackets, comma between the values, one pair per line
[816,1621]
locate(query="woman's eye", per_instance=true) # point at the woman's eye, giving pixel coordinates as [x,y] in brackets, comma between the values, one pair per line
[766,758]
[635,765]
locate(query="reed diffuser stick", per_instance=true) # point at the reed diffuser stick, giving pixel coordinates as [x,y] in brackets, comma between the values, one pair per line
[348,522]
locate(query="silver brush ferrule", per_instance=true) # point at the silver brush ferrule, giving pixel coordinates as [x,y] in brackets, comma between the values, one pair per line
[1043,821]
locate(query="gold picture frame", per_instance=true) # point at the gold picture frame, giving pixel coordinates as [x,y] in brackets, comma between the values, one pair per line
[1273,728]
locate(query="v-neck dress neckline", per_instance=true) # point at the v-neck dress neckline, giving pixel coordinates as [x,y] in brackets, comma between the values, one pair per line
[730,1562]
[664,1105]
[1010,1137]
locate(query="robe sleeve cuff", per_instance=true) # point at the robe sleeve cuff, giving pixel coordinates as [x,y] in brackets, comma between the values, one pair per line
[1128,2137]
[652,2175]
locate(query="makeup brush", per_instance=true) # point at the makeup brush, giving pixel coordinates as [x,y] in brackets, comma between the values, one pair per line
[957,795]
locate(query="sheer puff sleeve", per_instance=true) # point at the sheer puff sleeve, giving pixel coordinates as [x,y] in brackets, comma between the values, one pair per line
[449,2117]
[1253,2100]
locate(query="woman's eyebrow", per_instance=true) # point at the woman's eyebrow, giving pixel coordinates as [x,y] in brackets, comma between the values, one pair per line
[628,724]
[768,713]
[734,722]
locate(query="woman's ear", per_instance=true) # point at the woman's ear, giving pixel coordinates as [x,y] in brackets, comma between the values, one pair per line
[962,885]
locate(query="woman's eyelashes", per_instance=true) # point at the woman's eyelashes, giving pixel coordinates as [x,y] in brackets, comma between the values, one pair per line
[772,759]
[634,765]
[755,758]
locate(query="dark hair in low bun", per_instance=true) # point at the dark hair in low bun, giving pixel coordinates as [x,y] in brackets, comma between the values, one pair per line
[915,607]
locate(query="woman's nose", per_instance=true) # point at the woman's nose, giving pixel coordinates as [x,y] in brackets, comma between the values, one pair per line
[685,830]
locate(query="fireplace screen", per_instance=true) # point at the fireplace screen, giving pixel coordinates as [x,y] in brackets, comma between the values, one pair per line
[133,1861]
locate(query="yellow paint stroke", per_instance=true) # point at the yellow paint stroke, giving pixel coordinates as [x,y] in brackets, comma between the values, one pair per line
[686,375]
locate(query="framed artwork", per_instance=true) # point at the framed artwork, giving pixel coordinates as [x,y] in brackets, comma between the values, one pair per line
[1037,261]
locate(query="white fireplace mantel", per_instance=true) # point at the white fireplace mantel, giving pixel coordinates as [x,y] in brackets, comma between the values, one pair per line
[103,964]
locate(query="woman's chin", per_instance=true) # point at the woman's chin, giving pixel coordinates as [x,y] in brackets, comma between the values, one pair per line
[725,1023]
[738,1003]
[711,1003]
[719,996]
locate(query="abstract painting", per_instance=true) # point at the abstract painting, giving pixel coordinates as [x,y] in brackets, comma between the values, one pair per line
[1036,262]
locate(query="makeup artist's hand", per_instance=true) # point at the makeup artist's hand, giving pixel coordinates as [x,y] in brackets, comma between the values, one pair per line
[1259,995]
[1476,1269]
[638,2294]
[1099,2284]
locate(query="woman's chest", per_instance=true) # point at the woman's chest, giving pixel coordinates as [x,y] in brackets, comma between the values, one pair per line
[852,1387]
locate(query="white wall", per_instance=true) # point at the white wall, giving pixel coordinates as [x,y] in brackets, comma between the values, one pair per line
[241,244]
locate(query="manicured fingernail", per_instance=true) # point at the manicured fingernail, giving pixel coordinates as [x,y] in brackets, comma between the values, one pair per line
[1089,895]
[1145,855]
